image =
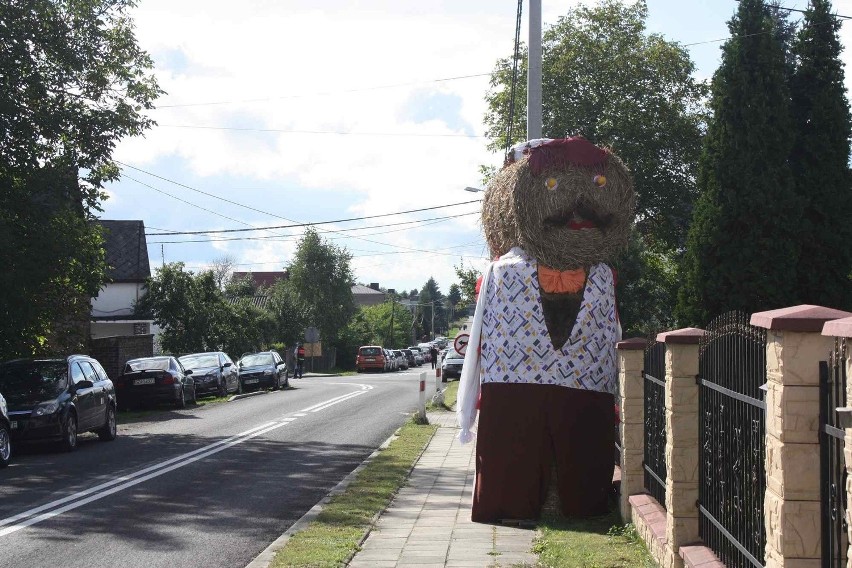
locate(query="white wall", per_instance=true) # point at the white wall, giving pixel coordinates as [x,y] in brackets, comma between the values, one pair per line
[116,299]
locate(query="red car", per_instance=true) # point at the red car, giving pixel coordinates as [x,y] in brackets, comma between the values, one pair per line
[370,357]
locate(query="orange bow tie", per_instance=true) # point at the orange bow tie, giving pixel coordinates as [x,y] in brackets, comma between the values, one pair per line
[561,282]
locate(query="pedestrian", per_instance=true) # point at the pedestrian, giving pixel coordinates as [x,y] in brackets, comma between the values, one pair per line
[299,356]
[434,353]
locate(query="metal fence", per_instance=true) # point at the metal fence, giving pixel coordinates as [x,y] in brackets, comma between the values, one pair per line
[732,479]
[832,394]
[654,461]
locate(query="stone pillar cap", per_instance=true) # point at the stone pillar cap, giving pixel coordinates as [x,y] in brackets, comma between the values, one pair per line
[685,336]
[633,344]
[838,328]
[804,318]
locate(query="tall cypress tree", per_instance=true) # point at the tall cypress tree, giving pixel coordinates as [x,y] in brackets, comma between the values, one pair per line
[740,254]
[820,161]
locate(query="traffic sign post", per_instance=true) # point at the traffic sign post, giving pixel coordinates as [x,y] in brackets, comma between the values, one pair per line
[422,410]
[460,343]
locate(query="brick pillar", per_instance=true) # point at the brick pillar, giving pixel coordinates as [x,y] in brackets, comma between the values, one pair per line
[631,355]
[843,328]
[794,348]
[681,441]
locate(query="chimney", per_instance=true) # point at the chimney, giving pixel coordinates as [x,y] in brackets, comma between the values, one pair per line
[375,286]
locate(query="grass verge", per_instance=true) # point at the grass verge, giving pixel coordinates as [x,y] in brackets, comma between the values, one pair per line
[600,542]
[337,531]
[451,391]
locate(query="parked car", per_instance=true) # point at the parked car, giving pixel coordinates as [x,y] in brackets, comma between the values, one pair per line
[370,357]
[152,380]
[401,359]
[262,370]
[393,364]
[56,399]
[425,349]
[5,434]
[409,356]
[212,373]
[418,356]
[452,365]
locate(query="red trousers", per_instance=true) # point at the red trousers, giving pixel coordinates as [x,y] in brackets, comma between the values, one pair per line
[523,430]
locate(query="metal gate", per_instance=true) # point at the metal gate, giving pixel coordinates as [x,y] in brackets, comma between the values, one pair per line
[732,480]
[832,394]
[654,460]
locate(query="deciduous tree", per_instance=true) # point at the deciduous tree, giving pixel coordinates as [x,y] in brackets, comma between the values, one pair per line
[73,82]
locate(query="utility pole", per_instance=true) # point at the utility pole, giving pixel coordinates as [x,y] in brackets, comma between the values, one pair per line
[433,320]
[534,73]
[393,305]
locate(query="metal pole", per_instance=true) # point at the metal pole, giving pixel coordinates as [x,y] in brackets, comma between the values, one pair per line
[422,402]
[534,73]
[433,320]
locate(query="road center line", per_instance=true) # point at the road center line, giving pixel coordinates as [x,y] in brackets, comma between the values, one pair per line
[98,492]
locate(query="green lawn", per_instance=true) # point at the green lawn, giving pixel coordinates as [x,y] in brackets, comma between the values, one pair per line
[602,542]
[129,417]
[334,535]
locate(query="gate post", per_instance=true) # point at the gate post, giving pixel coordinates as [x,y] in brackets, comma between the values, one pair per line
[681,440]
[794,348]
[843,328]
[631,402]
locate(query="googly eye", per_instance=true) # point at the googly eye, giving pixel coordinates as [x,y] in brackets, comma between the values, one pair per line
[551,184]
[600,180]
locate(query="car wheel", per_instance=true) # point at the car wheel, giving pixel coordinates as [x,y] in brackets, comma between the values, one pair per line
[181,402]
[277,385]
[223,389]
[69,433]
[194,396]
[109,430]
[5,445]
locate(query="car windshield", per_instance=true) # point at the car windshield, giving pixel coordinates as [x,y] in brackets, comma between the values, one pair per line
[371,351]
[256,360]
[161,364]
[454,355]
[200,361]
[33,381]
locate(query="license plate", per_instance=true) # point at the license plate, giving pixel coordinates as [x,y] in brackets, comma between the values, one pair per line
[251,381]
[149,381]
[14,424]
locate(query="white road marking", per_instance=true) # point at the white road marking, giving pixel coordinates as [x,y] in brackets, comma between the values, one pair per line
[54,508]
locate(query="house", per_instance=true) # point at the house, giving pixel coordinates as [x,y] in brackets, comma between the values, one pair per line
[367,295]
[128,269]
[361,295]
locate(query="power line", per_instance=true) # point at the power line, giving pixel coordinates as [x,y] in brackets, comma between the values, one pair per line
[335,132]
[328,93]
[425,222]
[295,223]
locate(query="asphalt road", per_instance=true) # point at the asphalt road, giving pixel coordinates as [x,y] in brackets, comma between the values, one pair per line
[209,486]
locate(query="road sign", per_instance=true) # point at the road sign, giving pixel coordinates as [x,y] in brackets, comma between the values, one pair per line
[313,349]
[460,343]
[312,335]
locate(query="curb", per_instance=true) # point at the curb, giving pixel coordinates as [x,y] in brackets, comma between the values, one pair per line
[265,558]
[247,395]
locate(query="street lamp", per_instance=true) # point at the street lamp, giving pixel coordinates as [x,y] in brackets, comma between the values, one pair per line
[473,189]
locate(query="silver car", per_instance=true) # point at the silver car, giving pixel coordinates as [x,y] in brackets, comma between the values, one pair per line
[5,434]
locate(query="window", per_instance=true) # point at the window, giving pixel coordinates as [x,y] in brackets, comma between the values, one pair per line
[89,371]
[77,374]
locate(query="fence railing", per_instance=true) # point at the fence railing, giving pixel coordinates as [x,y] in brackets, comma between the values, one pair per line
[832,394]
[732,480]
[654,461]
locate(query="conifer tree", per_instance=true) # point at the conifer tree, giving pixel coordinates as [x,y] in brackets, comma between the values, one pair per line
[820,161]
[740,254]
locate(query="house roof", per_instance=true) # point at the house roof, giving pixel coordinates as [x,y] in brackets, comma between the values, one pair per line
[358,290]
[126,250]
[266,279]
[259,301]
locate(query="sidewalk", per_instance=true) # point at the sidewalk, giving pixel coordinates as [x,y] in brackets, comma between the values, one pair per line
[428,523]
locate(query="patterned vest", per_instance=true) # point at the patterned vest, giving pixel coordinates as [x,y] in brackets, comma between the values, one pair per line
[516,346]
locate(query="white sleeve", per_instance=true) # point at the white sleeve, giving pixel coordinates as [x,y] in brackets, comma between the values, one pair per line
[468,395]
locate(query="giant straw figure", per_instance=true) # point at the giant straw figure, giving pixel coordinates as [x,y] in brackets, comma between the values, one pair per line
[541,364]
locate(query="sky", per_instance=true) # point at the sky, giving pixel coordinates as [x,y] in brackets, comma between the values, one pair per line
[284,112]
